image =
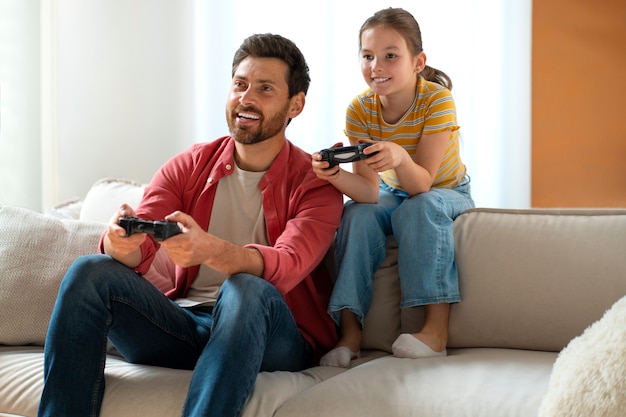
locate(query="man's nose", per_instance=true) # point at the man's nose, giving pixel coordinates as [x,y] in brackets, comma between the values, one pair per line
[247,97]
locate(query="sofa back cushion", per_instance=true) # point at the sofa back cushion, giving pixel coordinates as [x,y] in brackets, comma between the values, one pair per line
[35,252]
[529,279]
[535,279]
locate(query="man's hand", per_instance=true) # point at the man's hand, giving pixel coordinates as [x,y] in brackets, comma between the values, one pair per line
[194,246]
[124,249]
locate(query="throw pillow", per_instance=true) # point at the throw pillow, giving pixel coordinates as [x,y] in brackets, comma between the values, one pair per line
[69,209]
[35,252]
[105,197]
[589,375]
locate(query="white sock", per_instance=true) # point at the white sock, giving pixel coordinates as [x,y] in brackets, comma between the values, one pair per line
[407,346]
[340,357]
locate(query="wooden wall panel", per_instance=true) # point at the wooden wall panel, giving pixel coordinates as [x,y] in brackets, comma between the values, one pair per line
[578,103]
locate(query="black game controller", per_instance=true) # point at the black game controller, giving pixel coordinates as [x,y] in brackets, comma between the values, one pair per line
[353,153]
[160,229]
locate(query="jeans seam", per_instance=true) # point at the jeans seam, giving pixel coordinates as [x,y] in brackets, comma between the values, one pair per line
[165,329]
[98,385]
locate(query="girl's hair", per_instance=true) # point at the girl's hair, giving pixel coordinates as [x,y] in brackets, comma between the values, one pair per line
[405,24]
[275,46]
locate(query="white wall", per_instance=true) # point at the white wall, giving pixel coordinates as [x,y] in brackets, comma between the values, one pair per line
[483,45]
[124,100]
[128,83]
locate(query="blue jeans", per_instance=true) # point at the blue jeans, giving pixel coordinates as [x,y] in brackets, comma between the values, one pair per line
[422,226]
[250,329]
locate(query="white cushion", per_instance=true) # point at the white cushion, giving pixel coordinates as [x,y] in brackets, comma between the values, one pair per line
[105,197]
[69,209]
[35,252]
[468,382]
[142,390]
[535,279]
[589,375]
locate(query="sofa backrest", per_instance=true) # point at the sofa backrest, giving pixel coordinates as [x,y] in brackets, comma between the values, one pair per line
[529,279]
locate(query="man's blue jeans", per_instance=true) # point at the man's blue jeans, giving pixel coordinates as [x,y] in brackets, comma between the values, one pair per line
[422,226]
[250,329]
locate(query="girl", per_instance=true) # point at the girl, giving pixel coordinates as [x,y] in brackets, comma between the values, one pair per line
[413,185]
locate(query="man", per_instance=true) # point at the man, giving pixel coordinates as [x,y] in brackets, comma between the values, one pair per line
[247,295]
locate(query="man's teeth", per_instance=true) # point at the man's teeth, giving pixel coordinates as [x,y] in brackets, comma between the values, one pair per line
[248,116]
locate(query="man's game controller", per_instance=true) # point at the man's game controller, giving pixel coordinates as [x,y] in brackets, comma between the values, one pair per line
[342,154]
[160,229]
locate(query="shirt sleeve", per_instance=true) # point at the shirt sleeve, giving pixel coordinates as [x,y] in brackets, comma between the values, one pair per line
[440,113]
[307,236]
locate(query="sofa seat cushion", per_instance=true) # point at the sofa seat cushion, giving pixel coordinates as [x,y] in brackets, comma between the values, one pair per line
[141,390]
[469,382]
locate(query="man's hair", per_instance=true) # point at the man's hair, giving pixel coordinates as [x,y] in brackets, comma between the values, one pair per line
[275,46]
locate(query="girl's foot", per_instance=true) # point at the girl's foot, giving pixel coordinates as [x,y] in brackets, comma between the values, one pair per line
[409,346]
[340,356]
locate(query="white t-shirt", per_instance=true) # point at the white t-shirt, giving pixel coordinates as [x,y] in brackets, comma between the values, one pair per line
[237,217]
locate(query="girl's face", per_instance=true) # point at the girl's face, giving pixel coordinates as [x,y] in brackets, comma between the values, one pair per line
[387,64]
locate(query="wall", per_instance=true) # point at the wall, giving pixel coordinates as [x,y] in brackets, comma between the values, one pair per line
[124,103]
[140,80]
[578,103]
[125,84]
[20,154]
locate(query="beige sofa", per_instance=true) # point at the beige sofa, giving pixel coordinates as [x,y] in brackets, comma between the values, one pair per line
[532,281]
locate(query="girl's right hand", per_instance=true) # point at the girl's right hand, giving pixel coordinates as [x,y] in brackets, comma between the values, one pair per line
[322,169]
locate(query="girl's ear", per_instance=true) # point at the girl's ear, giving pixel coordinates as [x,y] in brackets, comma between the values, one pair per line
[420,62]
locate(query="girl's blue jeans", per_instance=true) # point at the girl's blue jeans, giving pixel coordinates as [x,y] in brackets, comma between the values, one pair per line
[422,227]
[250,329]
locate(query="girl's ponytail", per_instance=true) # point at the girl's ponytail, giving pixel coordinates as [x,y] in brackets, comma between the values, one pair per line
[435,75]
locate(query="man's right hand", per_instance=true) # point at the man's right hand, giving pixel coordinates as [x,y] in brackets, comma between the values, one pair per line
[116,244]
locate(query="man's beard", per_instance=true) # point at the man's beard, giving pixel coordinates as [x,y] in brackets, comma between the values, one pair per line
[264,131]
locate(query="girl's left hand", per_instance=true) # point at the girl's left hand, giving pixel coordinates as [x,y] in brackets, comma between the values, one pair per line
[390,155]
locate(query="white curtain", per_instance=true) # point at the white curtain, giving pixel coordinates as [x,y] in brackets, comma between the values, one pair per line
[483,45]
[125,84]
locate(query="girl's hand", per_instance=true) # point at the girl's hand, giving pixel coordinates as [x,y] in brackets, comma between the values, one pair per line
[322,169]
[390,155]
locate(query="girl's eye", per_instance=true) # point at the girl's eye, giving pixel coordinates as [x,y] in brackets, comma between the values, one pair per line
[391,56]
[368,57]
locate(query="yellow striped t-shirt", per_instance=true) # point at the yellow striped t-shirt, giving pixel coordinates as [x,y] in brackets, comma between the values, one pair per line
[432,111]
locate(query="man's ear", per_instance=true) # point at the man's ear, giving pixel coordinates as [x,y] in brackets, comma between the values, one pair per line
[297,104]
